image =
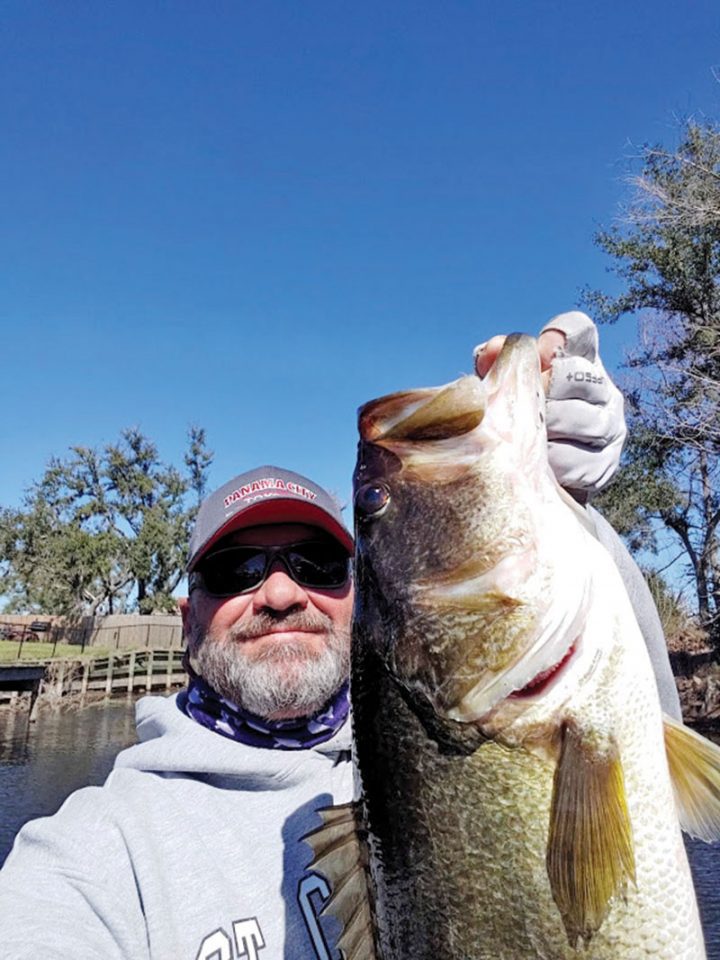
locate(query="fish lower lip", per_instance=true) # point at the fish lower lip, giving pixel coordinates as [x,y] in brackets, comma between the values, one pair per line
[543,679]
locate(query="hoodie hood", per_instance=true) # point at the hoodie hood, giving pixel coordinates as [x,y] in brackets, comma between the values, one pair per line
[171,743]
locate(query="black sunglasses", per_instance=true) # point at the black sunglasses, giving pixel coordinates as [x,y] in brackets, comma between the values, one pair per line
[318,564]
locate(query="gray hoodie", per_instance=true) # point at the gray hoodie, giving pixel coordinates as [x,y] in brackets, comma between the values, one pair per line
[192,849]
[645,613]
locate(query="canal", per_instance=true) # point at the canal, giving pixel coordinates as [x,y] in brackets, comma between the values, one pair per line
[41,763]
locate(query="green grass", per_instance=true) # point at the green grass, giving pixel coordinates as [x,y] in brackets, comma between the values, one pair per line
[39,650]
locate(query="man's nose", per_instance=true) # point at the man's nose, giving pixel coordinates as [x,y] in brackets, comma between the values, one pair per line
[279,591]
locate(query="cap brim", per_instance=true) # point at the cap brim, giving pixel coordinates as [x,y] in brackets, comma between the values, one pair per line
[278,510]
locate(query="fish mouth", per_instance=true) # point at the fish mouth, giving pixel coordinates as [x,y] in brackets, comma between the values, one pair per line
[426,415]
[412,418]
[543,680]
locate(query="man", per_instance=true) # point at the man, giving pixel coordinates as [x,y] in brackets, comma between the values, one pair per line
[193,848]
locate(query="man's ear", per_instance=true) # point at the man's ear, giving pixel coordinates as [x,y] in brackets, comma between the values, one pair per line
[187,617]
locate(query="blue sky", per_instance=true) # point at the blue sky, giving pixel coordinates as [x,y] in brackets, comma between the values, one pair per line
[256,216]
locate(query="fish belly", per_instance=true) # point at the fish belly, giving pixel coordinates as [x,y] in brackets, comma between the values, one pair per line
[457,848]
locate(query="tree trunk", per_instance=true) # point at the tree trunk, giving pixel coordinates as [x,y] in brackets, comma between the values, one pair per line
[708,610]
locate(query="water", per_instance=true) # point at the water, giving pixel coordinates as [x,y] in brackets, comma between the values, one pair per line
[41,763]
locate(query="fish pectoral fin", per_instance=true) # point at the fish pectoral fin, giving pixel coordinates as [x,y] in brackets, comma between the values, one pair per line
[339,855]
[694,764]
[590,848]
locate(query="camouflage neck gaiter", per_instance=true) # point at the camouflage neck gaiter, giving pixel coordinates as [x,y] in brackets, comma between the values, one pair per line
[223,716]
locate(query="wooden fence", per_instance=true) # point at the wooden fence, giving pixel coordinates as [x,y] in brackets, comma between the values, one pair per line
[116,632]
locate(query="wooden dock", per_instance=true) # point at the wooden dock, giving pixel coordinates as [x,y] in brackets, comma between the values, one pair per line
[17,678]
[128,672]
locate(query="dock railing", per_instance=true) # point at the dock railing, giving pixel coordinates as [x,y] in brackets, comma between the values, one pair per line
[126,671]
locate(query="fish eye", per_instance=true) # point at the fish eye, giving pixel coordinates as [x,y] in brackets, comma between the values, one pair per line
[372,499]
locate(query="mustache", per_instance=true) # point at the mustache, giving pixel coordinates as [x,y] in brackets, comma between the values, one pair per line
[266,621]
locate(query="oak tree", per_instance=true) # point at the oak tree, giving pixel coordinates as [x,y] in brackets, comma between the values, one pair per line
[667,256]
[103,531]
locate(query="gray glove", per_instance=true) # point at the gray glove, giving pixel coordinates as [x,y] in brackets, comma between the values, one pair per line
[585,419]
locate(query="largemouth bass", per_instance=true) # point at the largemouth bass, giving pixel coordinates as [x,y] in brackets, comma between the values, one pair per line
[516,798]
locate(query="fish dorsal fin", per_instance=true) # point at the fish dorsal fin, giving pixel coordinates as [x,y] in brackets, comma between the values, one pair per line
[339,855]
[590,849]
[694,764]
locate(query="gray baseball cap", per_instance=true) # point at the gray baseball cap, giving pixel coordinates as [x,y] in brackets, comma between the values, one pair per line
[265,495]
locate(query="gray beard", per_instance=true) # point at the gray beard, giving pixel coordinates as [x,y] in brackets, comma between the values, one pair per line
[285,679]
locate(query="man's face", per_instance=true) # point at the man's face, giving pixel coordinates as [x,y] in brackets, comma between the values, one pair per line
[279,651]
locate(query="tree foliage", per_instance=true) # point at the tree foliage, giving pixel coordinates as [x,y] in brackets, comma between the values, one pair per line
[103,531]
[667,254]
